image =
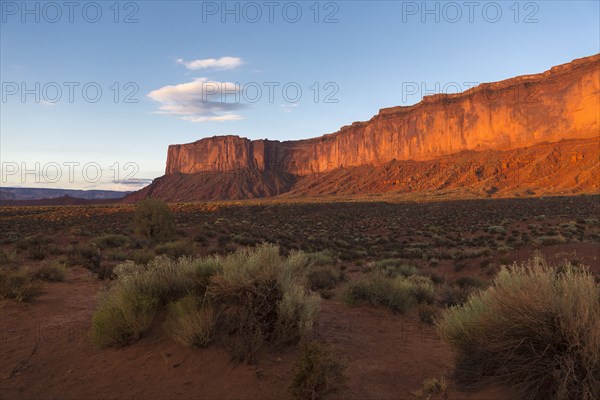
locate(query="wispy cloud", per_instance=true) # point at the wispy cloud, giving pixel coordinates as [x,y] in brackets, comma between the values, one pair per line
[212,63]
[200,100]
[219,118]
[288,107]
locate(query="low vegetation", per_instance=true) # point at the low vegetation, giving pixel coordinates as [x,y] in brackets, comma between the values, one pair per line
[431,388]
[537,328]
[244,299]
[153,220]
[324,278]
[111,241]
[396,267]
[318,372]
[19,284]
[191,322]
[397,293]
[53,272]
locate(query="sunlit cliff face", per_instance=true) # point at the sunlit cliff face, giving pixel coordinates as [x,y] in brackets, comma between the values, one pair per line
[558,104]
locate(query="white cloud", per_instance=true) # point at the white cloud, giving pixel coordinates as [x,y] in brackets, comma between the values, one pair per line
[214,63]
[200,100]
[220,118]
[288,107]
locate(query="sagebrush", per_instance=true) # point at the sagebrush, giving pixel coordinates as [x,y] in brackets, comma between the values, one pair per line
[244,299]
[537,328]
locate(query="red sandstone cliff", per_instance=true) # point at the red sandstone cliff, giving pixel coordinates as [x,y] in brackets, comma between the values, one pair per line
[561,103]
[536,134]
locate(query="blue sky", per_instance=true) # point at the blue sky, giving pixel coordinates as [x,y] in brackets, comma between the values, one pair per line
[163,66]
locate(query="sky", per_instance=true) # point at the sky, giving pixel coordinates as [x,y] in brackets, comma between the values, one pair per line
[93,93]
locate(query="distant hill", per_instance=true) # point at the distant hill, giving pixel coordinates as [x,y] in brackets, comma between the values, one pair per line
[19,194]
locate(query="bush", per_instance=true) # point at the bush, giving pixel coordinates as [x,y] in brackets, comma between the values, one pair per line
[19,285]
[91,255]
[39,251]
[394,267]
[453,295]
[550,240]
[324,278]
[535,328]
[248,297]
[54,272]
[321,258]
[117,255]
[191,322]
[467,282]
[428,313]
[260,296]
[111,241]
[459,266]
[8,258]
[431,387]
[142,256]
[154,220]
[176,249]
[399,293]
[318,371]
[422,288]
[126,312]
[296,313]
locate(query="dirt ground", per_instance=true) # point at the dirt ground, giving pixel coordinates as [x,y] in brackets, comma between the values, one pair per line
[45,352]
[46,355]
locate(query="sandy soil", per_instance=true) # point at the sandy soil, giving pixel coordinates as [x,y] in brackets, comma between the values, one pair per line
[46,355]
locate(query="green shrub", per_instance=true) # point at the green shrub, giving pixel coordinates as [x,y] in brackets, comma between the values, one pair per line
[395,267]
[428,313]
[535,329]
[111,241]
[54,272]
[179,248]
[91,255]
[431,387]
[248,297]
[422,288]
[19,285]
[126,312]
[496,229]
[550,240]
[260,296]
[191,322]
[122,317]
[296,313]
[321,258]
[142,256]
[318,372]
[399,293]
[39,251]
[467,282]
[154,220]
[453,295]
[8,258]
[459,266]
[324,278]
[117,255]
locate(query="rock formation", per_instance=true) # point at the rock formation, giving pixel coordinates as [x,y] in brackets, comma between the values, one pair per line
[562,103]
